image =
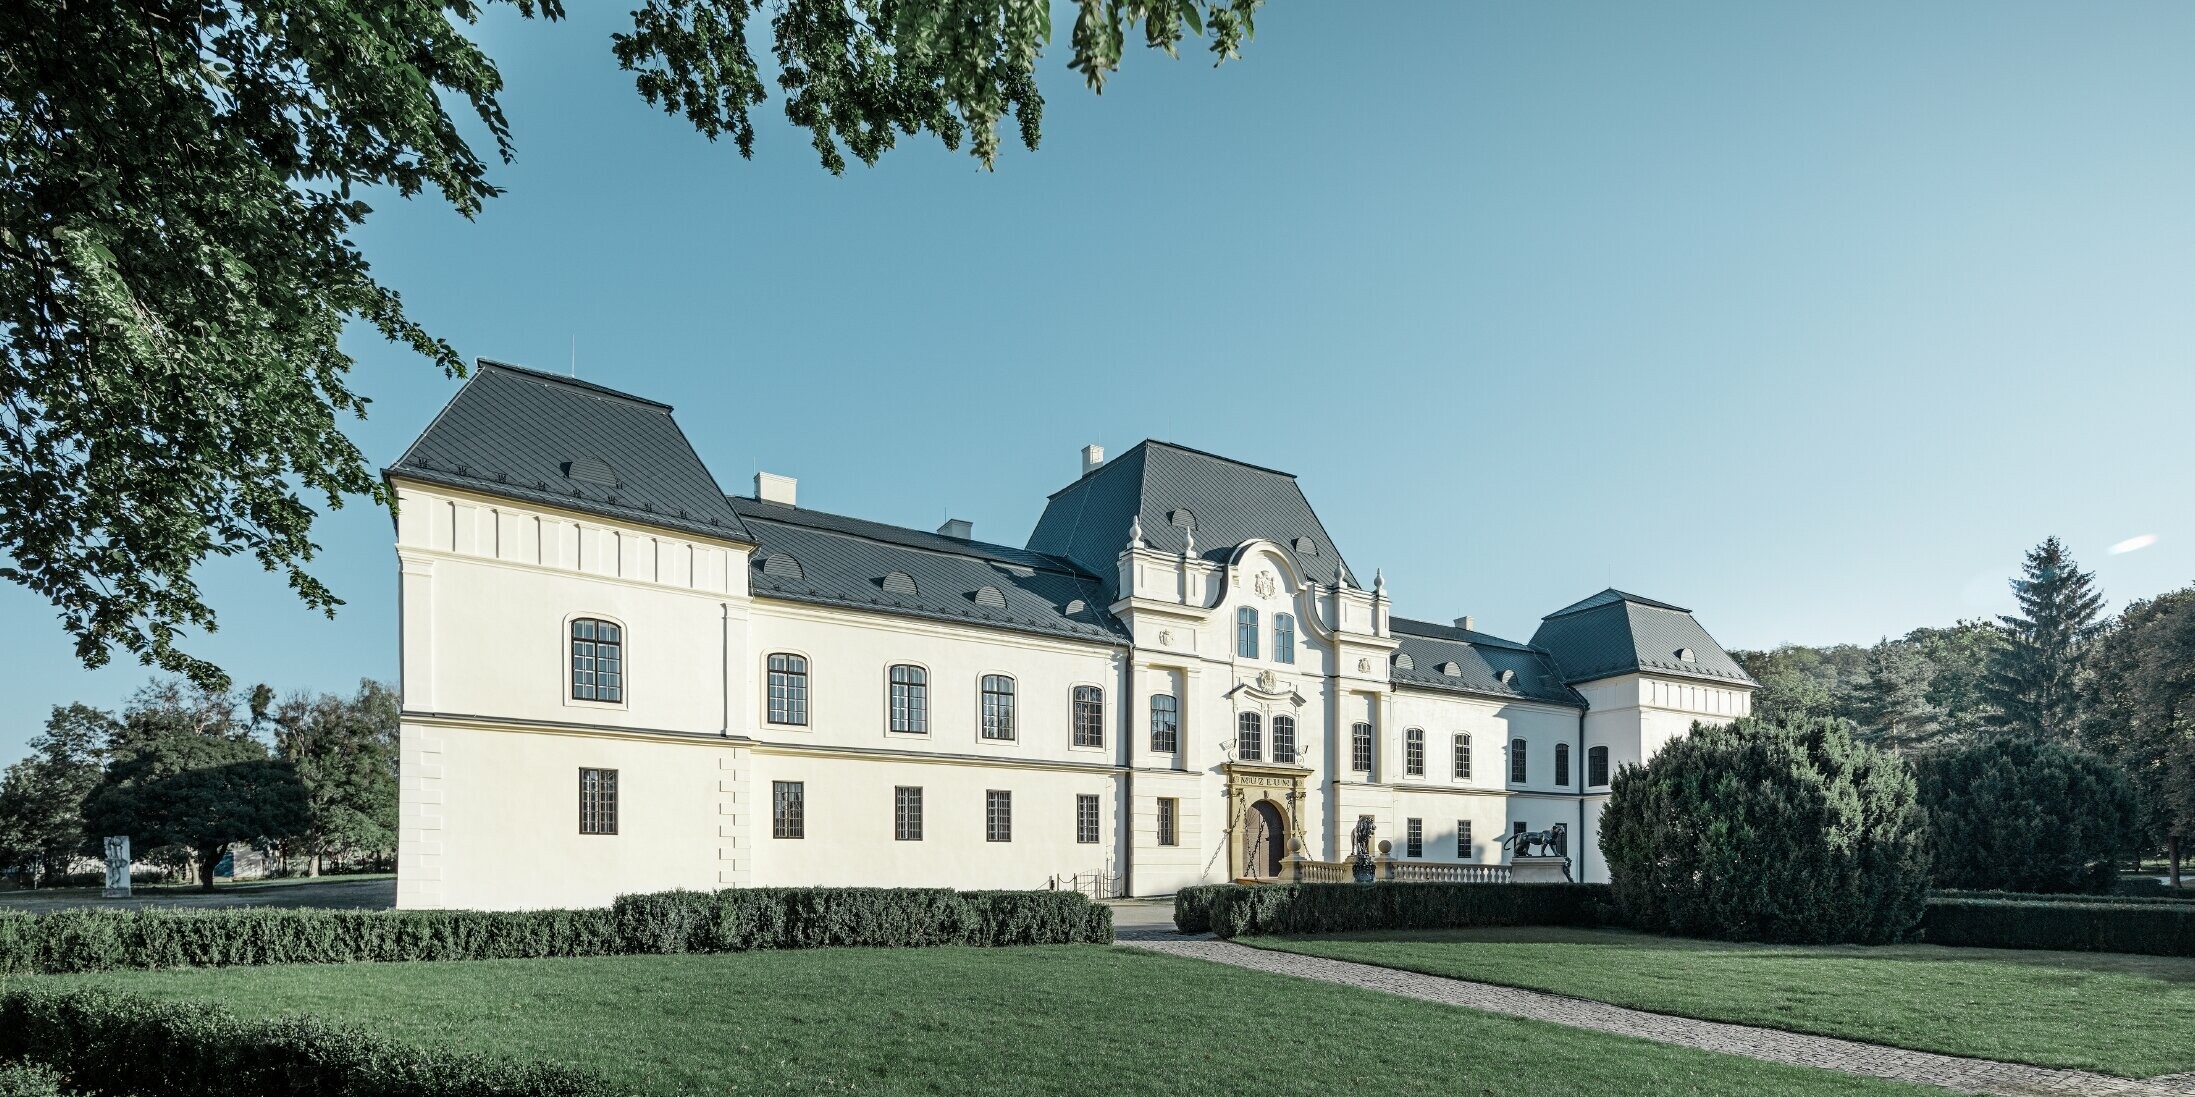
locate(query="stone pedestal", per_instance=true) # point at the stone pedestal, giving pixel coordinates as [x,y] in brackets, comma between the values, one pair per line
[1539,870]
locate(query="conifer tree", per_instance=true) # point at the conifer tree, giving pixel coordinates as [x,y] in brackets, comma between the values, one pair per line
[1892,706]
[2033,679]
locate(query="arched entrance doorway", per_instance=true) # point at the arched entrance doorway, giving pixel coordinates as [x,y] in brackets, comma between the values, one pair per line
[1264,837]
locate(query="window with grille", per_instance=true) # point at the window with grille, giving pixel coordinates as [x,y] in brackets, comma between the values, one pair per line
[1165,723]
[1250,736]
[789,689]
[788,812]
[1089,716]
[907,813]
[998,816]
[1284,638]
[1562,764]
[1168,809]
[1086,819]
[598,801]
[1360,747]
[1246,632]
[598,661]
[1463,838]
[1516,761]
[1413,752]
[1413,837]
[1284,739]
[1463,757]
[998,707]
[910,700]
[1596,766]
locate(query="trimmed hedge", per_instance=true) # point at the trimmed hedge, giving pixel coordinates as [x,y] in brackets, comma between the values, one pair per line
[2154,929]
[1244,909]
[30,1080]
[736,919]
[2187,899]
[132,1044]
[1193,907]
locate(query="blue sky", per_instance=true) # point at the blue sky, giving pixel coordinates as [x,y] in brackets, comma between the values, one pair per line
[1811,318]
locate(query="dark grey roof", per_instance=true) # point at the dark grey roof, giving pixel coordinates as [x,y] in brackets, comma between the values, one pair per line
[1478,659]
[1615,633]
[543,438]
[1170,487]
[851,562]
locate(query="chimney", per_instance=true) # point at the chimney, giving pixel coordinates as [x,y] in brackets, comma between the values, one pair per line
[1092,457]
[772,488]
[958,528]
[1464,623]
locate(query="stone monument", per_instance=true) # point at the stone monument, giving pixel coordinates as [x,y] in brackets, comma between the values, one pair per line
[118,867]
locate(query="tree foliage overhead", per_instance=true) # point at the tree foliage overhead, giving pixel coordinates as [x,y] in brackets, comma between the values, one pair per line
[2034,679]
[183,181]
[2016,813]
[1768,832]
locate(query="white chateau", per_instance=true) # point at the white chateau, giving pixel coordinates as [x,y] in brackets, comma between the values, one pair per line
[618,678]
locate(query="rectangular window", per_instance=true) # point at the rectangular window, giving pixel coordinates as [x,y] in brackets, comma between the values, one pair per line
[1413,752]
[907,813]
[1596,766]
[1360,747]
[1463,839]
[1086,819]
[1463,757]
[789,689]
[598,801]
[910,700]
[998,816]
[998,707]
[788,815]
[1165,723]
[1562,764]
[598,661]
[1089,716]
[1284,638]
[1413,840]
[1284,739]
[1250,737]
[1517,771]
[1246,633]
[1168,807]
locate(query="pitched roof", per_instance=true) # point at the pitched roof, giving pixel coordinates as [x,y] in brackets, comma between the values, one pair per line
[1615,633]
[543,438]
[1174,490]
[1478,660]
[829,559]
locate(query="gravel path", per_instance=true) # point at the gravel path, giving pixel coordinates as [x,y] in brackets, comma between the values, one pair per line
[1771,1045]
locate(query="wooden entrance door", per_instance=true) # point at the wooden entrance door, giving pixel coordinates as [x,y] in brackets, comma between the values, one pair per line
[1263,837]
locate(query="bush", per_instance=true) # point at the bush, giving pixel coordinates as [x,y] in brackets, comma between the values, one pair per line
[2010,813]
[1756,831]
[2150,887]
[136,1045]
[2046,897]
[1244,909]
[29,1080]
[736,919]
[2150,928]
[1193,907]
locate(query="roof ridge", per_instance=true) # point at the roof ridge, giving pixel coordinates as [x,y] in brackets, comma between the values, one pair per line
[783,515]
[1213,456]
[488,364]
[1589,603]
[1434,630]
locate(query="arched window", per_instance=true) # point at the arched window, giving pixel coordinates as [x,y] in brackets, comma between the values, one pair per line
[1284,739]
[1246,632]
[1562,764]
[1463,757]
[998,707]
[1284,638]
[1165,723]
[1516,762]
[910,699]
[1360,747]
[1250,736]
[1413,752]
[1089,716]
[789,689]
[598,661]
[1596,766]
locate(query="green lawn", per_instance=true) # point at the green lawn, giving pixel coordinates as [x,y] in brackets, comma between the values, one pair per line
[1055,1019]
[2129,1015]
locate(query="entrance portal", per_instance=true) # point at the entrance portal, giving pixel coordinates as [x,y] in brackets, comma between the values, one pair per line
[1263,835]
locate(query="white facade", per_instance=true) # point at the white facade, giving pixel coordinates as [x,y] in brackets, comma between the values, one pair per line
[496,744]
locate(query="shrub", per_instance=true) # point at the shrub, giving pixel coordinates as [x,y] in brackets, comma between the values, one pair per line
[1193,907]
[1756,831]
[2151,928]
[2150,887]
[2061,897]
[29,1080]
[2010,813]
[1244,909]
[733,920]
[136,1045]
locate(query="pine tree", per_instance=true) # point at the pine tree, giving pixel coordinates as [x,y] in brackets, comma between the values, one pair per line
[1892,706]
[2033,681]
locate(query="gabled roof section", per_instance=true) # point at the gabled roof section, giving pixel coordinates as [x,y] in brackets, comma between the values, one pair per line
[1174,490]
[1479,659]
[1615,633]
[537,437]
[859,564]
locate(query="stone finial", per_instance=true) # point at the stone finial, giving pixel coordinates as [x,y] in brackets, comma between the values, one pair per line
[1341,577]
[1135,533]
[1188,542]
[1379,582]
